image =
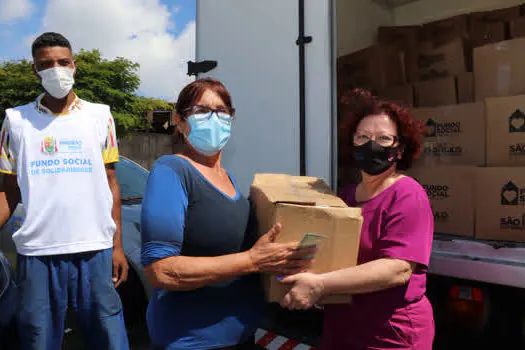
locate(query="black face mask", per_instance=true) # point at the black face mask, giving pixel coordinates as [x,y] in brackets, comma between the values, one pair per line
[373,158]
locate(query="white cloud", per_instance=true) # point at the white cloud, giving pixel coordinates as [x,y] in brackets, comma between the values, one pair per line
[134,29]
[11,10]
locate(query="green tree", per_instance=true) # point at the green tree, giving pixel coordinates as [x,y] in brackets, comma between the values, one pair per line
[18,84]
[112,82]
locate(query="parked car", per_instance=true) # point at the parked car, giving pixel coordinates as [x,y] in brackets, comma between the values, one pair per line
[7,304]
[135,292]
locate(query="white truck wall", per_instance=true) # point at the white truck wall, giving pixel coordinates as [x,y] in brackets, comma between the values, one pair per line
[357,23]
[423,11]
[254,43]
[320,117]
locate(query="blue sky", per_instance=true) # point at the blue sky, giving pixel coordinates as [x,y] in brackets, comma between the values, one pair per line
[158,34]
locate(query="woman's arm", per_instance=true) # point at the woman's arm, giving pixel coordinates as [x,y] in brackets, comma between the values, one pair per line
[189,273]
[309,288]
[162,225]
[369,277]
[403,246]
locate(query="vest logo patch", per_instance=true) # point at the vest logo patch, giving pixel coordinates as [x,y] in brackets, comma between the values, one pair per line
[49,145]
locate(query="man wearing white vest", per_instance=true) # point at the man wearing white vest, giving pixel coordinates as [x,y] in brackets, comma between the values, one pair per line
[58,156]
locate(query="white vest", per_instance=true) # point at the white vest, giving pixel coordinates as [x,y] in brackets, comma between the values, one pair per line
[62,178]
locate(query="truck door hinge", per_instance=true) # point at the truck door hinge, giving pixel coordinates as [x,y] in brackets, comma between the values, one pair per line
[303,40]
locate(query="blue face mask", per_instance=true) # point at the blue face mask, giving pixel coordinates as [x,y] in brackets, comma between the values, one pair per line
[209,134]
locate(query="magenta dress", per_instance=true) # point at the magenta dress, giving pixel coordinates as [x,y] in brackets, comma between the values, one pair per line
[398,223]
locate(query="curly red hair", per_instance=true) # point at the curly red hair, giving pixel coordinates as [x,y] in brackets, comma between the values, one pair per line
[358,104]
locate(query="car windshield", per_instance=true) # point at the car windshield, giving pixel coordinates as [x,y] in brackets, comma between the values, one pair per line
[132,179]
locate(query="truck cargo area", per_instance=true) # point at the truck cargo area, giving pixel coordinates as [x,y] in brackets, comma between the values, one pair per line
[443,59]
[458,65]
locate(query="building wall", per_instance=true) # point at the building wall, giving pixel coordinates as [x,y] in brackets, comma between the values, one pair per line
[146,148]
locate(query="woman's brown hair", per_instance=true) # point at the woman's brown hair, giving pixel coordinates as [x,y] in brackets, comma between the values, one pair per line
[358,104]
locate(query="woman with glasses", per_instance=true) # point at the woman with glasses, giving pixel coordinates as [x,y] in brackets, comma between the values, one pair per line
[200,249]
[389,308]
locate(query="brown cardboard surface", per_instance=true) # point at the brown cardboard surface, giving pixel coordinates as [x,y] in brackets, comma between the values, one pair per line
[428,61]
[455,135]
[505,131]
[451,193]
[499,69]
[483,33]
[401,94]
[302,205]
[517,27]
[498,15]
[500,204]
[437,92]
[465,85]
[443,31]
[375,67]
[404,36]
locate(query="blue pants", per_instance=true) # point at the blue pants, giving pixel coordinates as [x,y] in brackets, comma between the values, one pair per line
[49,284]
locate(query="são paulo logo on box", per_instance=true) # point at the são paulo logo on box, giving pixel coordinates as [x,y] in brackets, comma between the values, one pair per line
[517,125]
[512,195]
[51,145]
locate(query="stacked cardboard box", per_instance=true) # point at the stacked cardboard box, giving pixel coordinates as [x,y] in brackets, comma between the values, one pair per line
[464,77]
[500,204]
[473,166]
[431,65]
[454,146]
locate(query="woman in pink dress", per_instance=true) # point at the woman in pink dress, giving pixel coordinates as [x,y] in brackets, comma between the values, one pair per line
[389,308]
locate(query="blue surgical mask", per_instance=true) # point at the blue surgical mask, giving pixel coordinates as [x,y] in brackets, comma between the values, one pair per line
[209,133]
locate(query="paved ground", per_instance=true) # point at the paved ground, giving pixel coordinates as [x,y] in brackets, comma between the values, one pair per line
[139,341]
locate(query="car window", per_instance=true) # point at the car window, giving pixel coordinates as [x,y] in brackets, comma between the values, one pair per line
[131,177]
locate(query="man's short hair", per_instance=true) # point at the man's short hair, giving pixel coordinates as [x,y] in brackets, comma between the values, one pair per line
[49,39]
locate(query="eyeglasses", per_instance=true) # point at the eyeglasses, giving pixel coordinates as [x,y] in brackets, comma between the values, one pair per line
[198,112]
[384,140]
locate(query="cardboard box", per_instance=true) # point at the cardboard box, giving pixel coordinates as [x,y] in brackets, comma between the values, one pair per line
[442,31]
[482,33]
[401,94]
[517,28]
[401,36]
[499,15]
[430,62]
[500,212]
[505,131]
[437,92]
[454,135]
[307,205]
[465,86]
[375,67]
[451,193]
[499,69]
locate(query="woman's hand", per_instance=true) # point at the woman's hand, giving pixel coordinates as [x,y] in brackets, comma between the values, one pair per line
[306,291]
[279,258]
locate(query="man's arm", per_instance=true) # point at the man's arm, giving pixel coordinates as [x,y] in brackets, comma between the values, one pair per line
[9,197]
[120,264]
